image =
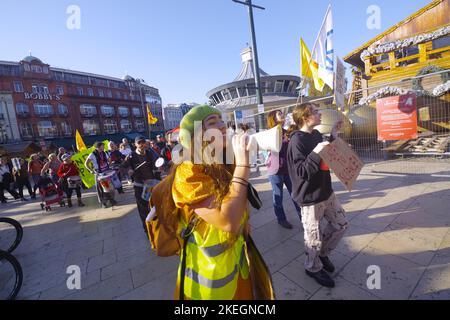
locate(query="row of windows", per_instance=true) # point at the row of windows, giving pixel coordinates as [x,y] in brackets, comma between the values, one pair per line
[45,129]
[104,93]
[48,129]
[80,79]
[22,109]
[278,86]
[109,111]
[92,127]
[85,109]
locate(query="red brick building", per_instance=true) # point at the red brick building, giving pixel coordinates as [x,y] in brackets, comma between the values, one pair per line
[50,103]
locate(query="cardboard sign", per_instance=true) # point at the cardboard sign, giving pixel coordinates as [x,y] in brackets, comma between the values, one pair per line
[397,118]
[79,159]
[344,162]
[339,85]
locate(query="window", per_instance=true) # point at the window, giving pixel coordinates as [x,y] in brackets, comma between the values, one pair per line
[279,86]
[110,126]
[286,86]
[124,112]
[26,66]
[34,88]
[37,69]
[43,110]
[26,129]
[18,87]
[268,87]
[226,94]
[251,88]
[109,93]
[125,96]
[107,111]
[118,95]
[441,43]
[233,92]
[88,110]
[137,112]
[90,92]
[91,127]
[47,129]
[80,91]
[125,125]
[139,125]
[66,129]
[63,110]
[45,69]
[22,109]
[101,93]
[59,90]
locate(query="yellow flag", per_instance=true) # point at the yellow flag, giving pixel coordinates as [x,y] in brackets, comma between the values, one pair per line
[79,141]
[310,68]
[150,118]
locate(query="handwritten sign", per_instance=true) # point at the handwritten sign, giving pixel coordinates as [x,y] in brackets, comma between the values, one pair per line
[344,162]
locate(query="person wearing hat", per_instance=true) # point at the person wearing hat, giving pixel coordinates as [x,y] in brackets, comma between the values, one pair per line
[141,163]
[211,197]
[69,169]
[99,161]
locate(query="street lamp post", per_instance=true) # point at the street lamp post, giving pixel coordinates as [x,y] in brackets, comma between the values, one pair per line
[250,7]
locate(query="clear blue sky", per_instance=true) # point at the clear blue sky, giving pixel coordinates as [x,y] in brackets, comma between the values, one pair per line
[182,47]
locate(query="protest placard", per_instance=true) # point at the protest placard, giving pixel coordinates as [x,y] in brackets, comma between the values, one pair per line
[344,162]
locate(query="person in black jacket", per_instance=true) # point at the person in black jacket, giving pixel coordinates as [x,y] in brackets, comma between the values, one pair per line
[312,190]
[142,164]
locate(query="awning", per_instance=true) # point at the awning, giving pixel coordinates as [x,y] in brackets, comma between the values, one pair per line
[21,149]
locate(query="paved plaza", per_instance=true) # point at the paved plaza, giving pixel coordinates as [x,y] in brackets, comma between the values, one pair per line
[398,222]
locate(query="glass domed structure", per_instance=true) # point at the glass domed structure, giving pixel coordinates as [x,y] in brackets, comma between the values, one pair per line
[240,95]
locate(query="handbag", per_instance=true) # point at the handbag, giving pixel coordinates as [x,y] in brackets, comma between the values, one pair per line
[253,197]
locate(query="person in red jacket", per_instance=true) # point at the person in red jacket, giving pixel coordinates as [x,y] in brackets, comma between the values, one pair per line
[66,170]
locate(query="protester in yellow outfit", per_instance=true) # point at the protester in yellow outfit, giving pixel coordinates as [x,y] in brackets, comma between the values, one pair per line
[213,203]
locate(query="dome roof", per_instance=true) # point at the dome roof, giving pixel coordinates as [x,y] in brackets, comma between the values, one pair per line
[31,59]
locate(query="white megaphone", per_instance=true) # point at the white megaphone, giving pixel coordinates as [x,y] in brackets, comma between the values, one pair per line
[267,140]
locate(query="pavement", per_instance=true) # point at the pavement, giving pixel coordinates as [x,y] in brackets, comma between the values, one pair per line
[397,245]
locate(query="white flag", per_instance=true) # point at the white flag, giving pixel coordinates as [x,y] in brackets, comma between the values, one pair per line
[323,52]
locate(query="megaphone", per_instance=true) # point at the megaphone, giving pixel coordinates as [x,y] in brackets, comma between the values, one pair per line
[267,140]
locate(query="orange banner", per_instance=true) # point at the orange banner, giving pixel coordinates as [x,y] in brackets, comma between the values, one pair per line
[397,118]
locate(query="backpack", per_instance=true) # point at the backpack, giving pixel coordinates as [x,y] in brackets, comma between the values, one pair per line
[162,226]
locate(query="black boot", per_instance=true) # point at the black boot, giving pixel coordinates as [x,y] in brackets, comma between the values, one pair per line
[80,204]
[321,278]
[327,265]
[69,202]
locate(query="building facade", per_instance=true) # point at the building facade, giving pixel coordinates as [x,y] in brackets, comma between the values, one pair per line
[51,103]
[172,116]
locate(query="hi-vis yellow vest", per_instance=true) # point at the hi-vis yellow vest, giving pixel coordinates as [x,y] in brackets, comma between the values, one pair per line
[213,265]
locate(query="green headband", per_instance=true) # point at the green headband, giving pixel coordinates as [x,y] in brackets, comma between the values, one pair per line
[198,113]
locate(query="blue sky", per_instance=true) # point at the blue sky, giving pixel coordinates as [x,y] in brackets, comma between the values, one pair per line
[183,47]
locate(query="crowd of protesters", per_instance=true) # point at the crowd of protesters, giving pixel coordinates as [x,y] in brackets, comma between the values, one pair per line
[57,166]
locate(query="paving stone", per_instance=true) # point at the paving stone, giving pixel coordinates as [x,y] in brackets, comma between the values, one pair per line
[344,290]
[398,276]
[286,289]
